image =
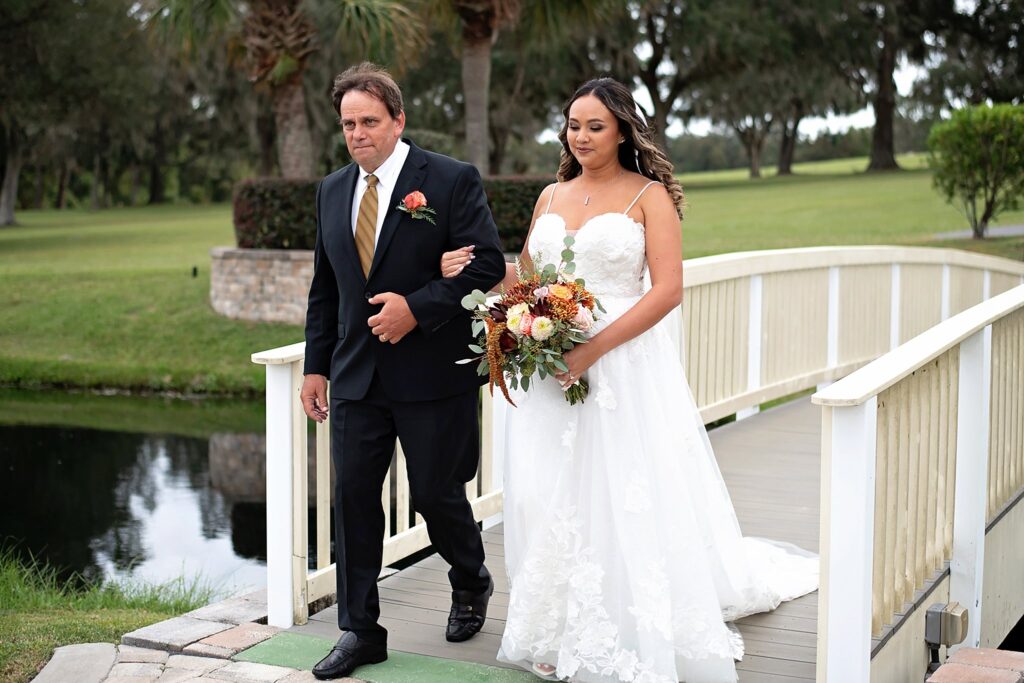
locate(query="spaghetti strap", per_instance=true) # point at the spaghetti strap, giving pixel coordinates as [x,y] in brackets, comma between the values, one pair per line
[637,198]
[551,197]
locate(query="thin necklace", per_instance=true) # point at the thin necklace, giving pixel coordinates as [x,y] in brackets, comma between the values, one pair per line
[586,201]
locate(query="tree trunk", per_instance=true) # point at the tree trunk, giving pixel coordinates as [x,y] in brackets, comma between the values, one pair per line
[499,147]
[94,190]
[754,154]
[883,155]
[37,201]
[294,142]
[156,167]
[476,89]
[265,138]
[62,185]
[111,182]
[986,216]
[790,131]
[661,112]
[9,187]
[136,185]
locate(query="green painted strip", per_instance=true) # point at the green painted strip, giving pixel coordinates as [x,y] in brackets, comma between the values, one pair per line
[302,652]
[288,649]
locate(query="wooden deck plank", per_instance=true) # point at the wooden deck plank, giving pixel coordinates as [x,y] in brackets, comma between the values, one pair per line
[770,463]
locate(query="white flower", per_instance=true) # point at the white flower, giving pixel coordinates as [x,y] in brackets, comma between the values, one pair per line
[515,317]
[540,293]
[542,328]
[584,319]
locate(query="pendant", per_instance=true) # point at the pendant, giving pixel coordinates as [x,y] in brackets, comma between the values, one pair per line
[586,202]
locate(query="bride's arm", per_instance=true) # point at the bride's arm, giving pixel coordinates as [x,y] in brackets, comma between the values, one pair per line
[452,262]
[664,249]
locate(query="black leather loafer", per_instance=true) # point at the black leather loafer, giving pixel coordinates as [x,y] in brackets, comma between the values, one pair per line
[468,614]
[348,653]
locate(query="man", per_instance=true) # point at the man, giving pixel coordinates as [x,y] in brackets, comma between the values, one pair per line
[388,330]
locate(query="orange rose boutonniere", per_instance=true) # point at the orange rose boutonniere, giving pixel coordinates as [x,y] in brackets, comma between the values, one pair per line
[415,204]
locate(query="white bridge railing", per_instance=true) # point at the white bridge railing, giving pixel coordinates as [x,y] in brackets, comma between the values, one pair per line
[756,326]
[922,454]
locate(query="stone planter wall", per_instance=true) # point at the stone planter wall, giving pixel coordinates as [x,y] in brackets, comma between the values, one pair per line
[266,285]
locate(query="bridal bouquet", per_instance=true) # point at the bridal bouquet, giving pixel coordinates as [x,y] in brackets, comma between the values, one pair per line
[528,329]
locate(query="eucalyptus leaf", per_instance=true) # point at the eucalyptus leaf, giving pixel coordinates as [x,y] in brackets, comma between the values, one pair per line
[475,349]
[526,383]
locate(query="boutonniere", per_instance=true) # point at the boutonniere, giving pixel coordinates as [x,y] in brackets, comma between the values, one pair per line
[415,204]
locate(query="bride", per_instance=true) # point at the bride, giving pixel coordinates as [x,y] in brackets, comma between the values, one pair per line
[624,555]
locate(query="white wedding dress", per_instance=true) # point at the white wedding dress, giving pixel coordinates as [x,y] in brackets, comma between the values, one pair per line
[624,555]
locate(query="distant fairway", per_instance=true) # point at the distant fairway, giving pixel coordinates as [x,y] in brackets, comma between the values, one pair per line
[107,299]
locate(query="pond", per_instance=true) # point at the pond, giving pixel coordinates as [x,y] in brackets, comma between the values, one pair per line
[118,487]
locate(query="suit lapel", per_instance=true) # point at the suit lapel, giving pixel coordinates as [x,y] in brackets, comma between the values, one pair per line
[343,215]
[411,178]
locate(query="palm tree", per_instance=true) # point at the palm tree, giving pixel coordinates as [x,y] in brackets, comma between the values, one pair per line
[479,22]
[278,36]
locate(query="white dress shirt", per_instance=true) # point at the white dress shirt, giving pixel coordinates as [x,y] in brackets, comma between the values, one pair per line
[387,177]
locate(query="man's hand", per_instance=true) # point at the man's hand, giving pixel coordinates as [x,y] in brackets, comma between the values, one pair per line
[394,321]
[314,397]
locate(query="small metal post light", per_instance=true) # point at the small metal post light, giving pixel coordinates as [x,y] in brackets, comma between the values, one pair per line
[943,625]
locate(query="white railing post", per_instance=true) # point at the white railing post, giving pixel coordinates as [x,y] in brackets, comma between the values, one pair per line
[850,543]
[499,411]
[832,351]
[966,569]
[280,568]
[945,292]
[895,308]
[753,343]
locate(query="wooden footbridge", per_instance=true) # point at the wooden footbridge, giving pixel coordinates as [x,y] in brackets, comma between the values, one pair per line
[903,471]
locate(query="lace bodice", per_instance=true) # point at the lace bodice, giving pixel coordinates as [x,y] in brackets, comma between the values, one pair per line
[610,251]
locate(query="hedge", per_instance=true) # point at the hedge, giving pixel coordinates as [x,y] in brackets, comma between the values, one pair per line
[275,213]
[512,199]
[278,213]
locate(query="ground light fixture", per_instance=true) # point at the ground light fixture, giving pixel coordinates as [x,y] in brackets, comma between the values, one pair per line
[943,625]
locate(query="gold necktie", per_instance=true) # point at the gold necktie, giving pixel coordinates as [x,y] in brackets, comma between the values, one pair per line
[366,224]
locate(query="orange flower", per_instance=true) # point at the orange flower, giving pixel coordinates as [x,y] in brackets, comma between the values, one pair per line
[415,200]
[563,309]
[560,291]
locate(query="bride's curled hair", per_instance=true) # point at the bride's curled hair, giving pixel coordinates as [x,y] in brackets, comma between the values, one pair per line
[638,153]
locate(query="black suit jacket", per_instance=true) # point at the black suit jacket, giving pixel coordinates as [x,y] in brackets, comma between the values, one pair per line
[339,344]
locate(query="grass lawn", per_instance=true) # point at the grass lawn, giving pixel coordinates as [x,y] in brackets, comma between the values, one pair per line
[40,613]
[107,299]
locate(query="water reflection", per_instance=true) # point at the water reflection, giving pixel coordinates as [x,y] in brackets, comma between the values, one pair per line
[155,506]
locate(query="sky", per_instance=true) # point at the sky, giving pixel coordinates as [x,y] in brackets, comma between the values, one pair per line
[810,127]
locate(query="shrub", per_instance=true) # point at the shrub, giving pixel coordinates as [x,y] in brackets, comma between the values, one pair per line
[512,199]
[275,213]
[978,158]
[279,213]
